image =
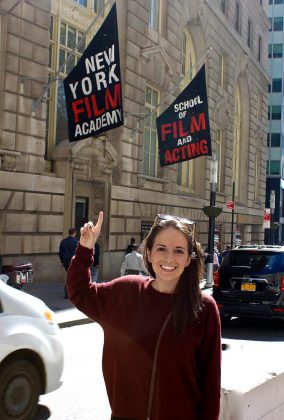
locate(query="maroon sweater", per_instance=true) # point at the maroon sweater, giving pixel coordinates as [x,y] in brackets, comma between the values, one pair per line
[131,313]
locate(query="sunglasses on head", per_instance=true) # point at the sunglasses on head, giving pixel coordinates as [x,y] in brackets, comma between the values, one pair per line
[169,217]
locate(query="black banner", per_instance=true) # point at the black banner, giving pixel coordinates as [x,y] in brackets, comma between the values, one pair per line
[183,128]
[93,87]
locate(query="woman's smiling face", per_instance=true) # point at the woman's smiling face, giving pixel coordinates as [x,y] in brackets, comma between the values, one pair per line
[169,257]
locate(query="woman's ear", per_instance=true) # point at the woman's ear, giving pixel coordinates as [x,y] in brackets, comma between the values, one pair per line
[148,255]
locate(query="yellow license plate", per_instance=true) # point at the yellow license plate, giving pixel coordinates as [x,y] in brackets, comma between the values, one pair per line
[248,287]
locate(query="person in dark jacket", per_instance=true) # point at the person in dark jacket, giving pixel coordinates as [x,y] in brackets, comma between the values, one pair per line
[67,249]
[226,251]
[162,344]
[95,266]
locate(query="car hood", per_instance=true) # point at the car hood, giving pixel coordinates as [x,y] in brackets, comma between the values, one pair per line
[17,302]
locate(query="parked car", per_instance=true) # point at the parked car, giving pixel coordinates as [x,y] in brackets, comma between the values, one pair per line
[31,353]
[250,282]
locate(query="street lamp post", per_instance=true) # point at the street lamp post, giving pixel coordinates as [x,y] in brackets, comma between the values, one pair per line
[272,208]
[211,232]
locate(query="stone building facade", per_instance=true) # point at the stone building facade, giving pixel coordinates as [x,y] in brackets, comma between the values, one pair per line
[48,184]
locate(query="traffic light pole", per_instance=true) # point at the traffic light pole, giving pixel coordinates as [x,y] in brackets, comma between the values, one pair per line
[211,234]
[272,208]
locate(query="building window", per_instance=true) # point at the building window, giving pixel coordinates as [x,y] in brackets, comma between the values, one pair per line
[259,53]
[275,167]
[249,33]
[188,59]
[237,142]
[275,139]
[61,115]
[82,2]
[185,174]
[219,156]
[81,212]
[47,127]
[99,6]
[183,55]
[277,85]
[275,50]
[277,24]
[150,162]
[221,70]
[256,175]
[188,70]
[278,1]
[259,105]
[237,18]
[154,15]
[276,112]
[51,37]
[69,37]
[224,6]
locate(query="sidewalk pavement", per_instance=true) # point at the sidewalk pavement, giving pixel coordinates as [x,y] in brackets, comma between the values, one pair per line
[66,315]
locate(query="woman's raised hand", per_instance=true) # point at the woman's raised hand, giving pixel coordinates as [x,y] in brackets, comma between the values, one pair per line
[90,233]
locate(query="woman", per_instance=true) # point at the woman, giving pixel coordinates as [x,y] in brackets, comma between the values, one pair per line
[161,358]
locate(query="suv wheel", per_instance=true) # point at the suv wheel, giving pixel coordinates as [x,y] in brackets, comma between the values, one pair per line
[19,390]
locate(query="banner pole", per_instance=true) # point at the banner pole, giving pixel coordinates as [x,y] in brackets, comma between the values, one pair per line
[178,83]
[166,97]
[44,91]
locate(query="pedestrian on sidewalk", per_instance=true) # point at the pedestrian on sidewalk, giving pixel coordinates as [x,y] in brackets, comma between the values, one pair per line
[162,349]
[67,249]
[215,260]
[226,251]
[95,265]
[133,263]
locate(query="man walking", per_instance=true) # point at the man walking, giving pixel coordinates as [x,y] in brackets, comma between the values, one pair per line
[67,249]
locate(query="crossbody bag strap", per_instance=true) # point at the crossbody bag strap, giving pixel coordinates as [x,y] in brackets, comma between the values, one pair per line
[153,375]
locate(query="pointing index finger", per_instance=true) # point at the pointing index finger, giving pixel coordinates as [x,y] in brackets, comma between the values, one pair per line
[100,219]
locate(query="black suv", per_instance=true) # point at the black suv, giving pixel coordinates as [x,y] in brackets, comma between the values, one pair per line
[250,282]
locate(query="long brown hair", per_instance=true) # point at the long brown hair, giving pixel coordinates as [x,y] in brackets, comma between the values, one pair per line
[187,298]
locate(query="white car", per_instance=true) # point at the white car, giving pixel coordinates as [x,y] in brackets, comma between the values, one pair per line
[31,353]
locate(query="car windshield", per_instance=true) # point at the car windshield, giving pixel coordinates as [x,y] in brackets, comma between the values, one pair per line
[257,262]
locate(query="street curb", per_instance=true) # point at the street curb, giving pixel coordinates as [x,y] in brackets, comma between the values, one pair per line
[75,322]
